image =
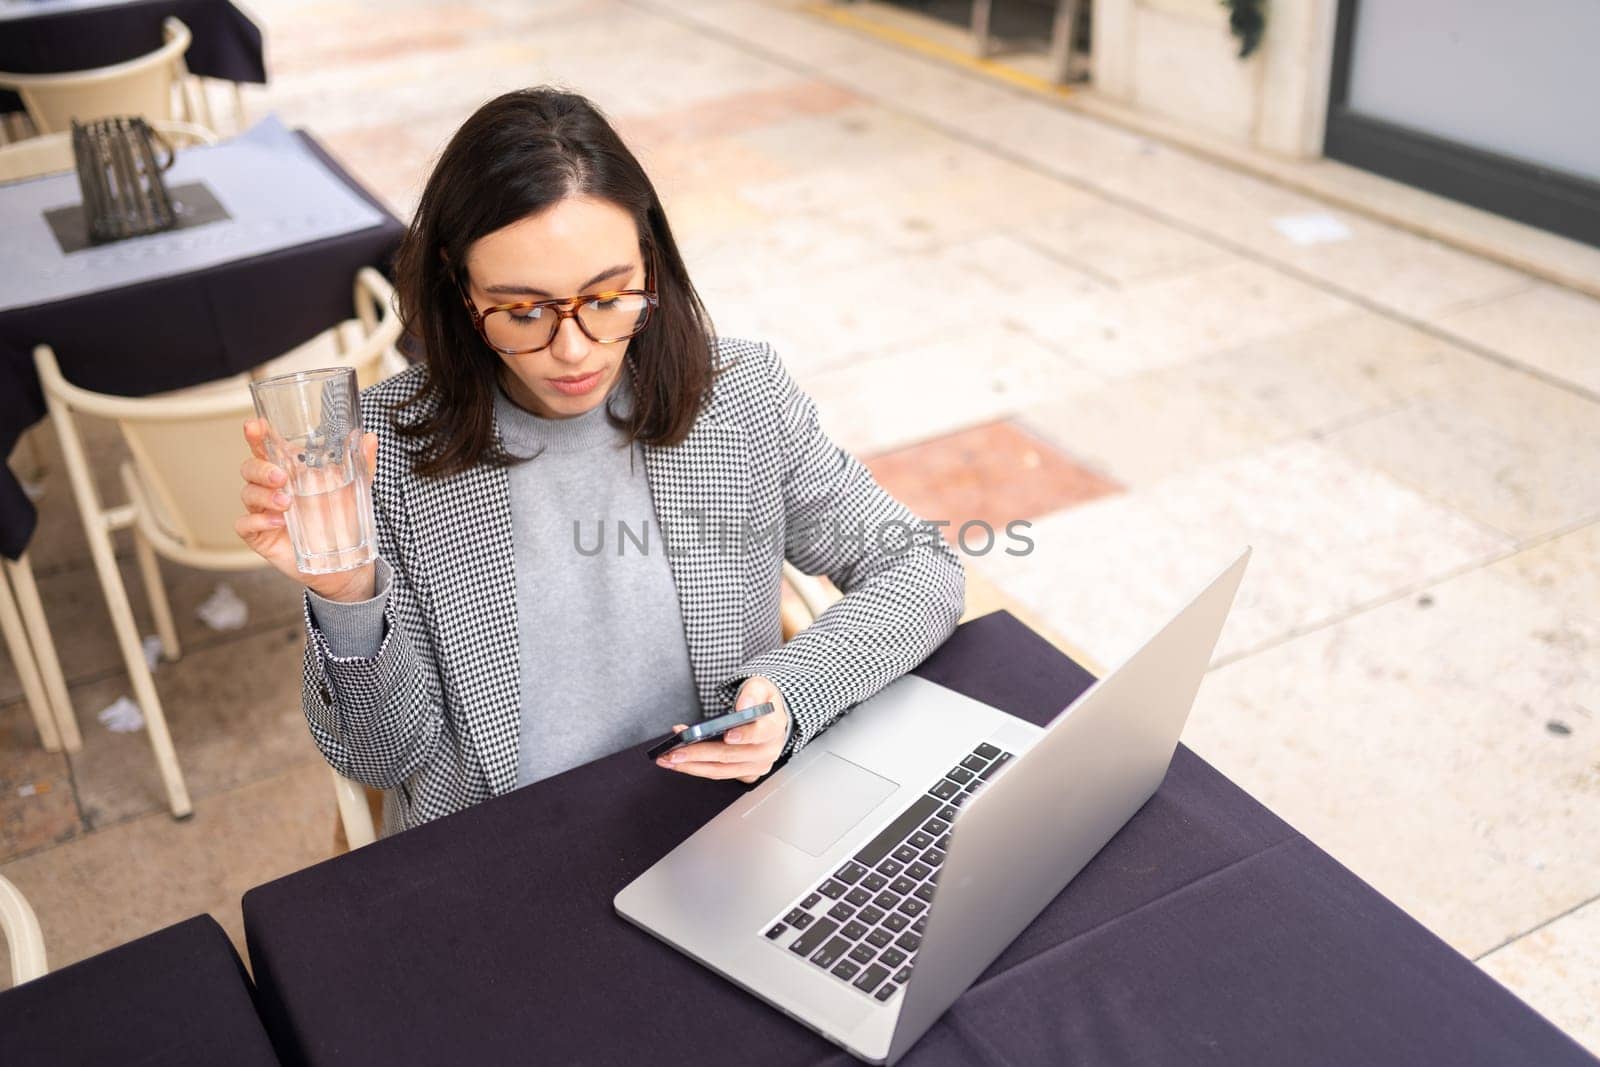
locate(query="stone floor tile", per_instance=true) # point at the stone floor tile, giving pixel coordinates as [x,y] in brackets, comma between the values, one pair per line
[664,69]
[863,137]
[1546,327]
[1172,184]
[1507,449]
[1169,320]
[824,319]
[748,256]
[1095,154]
[1119,245]
[352,37]
[106,888]
[1564,571]
[412,87]
[706,214]
[1401,271]
[918,390]
[1329,536]
[992,475]
[796,36]
[1423,728]
[729,114]
[37,806]
[719,164]
[392,159]
[917,202]
[1556,969]
[234,712]
[80,622]
[1152,425]
[923,86]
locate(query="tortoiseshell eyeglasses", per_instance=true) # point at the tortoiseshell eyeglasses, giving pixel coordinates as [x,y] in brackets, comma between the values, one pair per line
[530,325]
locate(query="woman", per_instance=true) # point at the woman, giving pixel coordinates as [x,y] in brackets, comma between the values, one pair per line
[583,501]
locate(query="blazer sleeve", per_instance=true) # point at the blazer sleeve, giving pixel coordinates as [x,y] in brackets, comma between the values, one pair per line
[904,587]
[375,718]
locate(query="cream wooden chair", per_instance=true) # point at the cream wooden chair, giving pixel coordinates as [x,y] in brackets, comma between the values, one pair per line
[27,637]
[142,86]
[23,939]
[51,153]
[182,483]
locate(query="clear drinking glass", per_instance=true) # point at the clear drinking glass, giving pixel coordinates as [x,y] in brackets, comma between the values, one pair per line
[314,434]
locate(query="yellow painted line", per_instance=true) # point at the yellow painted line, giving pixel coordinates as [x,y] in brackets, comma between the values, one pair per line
[917,43]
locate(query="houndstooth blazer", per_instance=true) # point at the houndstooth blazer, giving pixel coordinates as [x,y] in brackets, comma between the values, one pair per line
[433,717]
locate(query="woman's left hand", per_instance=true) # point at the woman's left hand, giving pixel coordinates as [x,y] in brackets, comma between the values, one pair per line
[746,752]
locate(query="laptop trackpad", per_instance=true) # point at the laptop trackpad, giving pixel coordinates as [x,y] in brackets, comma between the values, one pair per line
[818,805]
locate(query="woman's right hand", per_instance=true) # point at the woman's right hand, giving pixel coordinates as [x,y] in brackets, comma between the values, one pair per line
[265,528]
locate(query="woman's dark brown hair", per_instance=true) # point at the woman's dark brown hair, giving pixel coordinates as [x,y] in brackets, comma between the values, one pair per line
[516,156]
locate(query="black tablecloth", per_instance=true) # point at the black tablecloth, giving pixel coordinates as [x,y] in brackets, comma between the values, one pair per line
[1207,932]
[226,43]
[179,331]
[177,997]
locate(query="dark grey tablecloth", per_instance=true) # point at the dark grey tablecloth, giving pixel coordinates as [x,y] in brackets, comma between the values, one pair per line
[226,43]
[1207,932]
[177,998]
[179,331]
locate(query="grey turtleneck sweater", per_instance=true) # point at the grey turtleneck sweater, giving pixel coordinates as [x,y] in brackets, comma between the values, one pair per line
[604,663]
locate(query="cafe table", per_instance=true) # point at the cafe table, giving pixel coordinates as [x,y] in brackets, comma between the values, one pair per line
[1208,931]
[178,997]
[58,36]
[193,305]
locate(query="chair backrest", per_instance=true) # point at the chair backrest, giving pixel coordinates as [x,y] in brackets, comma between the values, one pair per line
[23,939]
[52,152]
[140,86]
[187,445]
[187,464]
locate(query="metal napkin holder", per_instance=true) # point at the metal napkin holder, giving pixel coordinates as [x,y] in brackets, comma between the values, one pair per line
[124,193]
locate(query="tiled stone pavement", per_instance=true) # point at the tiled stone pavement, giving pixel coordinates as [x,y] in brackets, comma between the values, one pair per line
[1012,310]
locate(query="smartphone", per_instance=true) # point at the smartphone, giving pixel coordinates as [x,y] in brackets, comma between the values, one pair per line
[709,729]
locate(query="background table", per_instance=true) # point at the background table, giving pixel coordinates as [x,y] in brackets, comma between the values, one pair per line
[226,43]
[179,331]
[1207,931]
[177,997]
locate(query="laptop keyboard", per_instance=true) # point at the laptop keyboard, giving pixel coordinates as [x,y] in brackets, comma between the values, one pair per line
[863,923]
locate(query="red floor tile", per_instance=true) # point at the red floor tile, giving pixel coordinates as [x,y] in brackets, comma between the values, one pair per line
[995,473]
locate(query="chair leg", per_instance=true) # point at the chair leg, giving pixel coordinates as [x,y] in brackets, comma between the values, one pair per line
[156,591]
[356,817]
[27,670]
[44,651]
[105,564]
[208,120]
[144,688]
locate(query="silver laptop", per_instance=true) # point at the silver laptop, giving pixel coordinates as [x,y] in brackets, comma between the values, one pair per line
[862,888]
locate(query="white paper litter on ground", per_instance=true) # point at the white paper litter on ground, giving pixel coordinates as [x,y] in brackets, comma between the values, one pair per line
[152,650]
[223,610]
[122,716]
[1317,229]
[27,790]
[33,490]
